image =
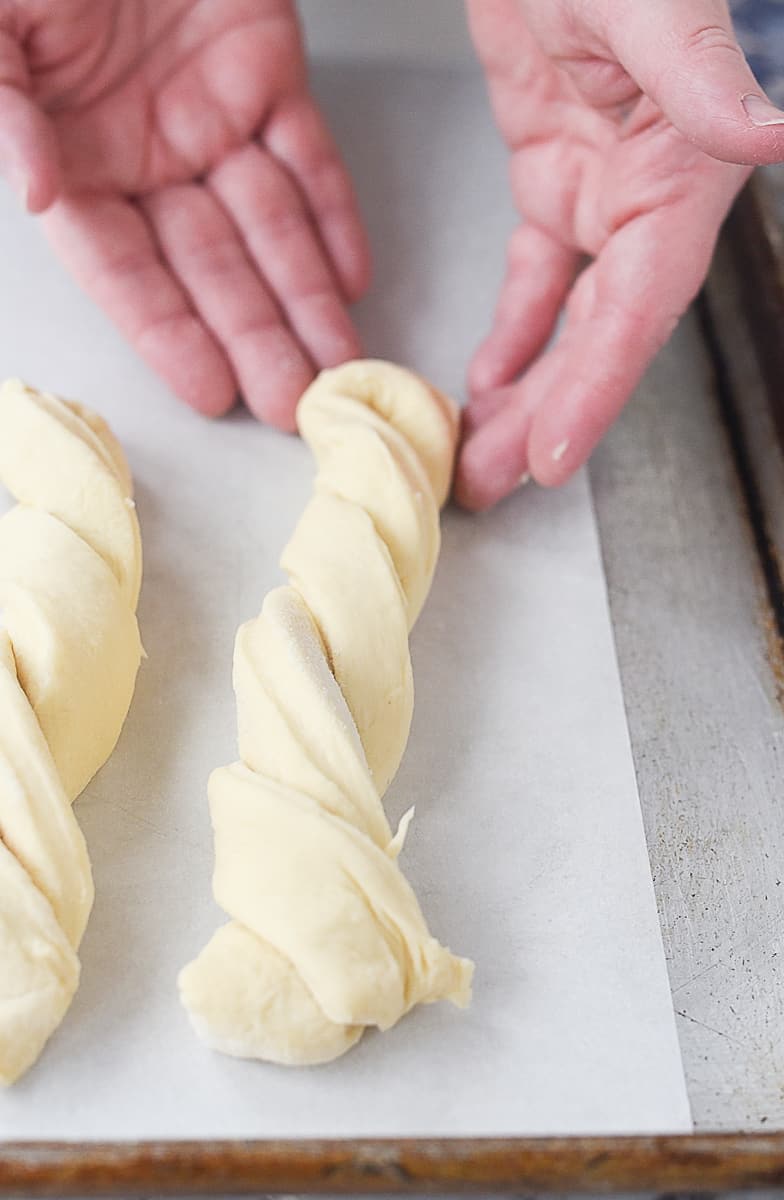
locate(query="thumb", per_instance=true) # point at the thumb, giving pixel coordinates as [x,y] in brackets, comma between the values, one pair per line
[686,58]
[28,148]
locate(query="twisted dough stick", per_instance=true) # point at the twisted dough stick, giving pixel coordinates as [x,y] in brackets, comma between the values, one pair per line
[70,569]
[327,935]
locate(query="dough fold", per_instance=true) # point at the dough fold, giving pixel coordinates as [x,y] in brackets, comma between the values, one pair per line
[70,570]
[326,936]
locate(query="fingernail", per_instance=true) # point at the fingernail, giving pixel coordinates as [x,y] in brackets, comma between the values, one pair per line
[760,111]
[560,450]
[524,479]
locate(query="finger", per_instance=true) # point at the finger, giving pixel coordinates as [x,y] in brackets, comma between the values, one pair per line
[539,273]
[200,242]
[109,248]
[28,150]
[298,136]
[480,409]
[493,458]
[687,59]
[267,209]
[621,311]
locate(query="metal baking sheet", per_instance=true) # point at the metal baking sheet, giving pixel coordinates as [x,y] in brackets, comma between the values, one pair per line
[527,850]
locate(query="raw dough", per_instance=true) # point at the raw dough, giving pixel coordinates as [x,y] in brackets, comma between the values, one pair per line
[70,570]
[327,936]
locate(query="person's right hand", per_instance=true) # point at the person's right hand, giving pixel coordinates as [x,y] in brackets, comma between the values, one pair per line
[629,123]
[190,184]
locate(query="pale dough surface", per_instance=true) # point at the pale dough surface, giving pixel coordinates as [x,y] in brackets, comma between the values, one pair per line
[70,571]
[326,936]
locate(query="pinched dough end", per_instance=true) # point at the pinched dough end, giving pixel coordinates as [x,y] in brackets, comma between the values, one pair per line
[245,999]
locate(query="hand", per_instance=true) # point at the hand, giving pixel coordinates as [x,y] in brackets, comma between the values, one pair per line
[617,114]
[189,184]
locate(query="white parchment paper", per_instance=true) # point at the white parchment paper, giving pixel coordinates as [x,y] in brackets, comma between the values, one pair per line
[527,851]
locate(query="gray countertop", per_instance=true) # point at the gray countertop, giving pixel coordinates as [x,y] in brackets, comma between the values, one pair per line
[694,639]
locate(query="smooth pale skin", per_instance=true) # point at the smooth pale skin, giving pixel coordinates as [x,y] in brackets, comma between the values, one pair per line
[70,567]
[327,937]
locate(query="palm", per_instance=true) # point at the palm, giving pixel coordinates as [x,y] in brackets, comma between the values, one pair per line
[615,188]
[158,93]
[204,204]
[595,177]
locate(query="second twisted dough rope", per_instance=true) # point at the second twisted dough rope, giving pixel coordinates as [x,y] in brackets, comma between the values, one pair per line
[70,570]
[327,937]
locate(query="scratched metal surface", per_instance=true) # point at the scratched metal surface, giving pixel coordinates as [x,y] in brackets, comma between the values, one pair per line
[706,726]
[755,419]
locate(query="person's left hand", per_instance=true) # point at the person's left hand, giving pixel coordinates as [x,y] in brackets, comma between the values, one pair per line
[617,113]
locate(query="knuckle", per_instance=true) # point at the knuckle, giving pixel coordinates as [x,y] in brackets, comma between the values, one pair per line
[328,183]
[216,259]
[283,221]
[261,326]
[135,271]
[175,325]
[711,39]
[315,293]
